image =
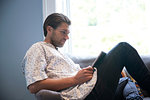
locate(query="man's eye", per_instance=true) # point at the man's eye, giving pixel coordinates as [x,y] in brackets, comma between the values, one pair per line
[63,32]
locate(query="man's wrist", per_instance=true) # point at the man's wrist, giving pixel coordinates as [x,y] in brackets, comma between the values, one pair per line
[75,81]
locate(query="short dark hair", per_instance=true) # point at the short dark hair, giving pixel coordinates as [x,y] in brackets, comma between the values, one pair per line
[54,20]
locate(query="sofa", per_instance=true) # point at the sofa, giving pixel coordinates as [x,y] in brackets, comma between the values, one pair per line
[84,61]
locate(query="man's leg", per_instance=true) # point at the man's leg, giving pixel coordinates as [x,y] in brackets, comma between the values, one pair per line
[109,71]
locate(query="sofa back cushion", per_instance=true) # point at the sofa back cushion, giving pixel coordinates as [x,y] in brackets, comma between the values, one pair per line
[146,60]
[88,60]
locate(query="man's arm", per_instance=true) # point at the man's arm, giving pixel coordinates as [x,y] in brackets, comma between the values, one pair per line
[82,76]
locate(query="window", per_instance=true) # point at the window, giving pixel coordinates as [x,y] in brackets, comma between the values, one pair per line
[100,24]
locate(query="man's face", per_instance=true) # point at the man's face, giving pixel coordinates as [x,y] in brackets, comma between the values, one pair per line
[60,35]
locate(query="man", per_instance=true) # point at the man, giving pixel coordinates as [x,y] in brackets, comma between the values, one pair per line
[47,68]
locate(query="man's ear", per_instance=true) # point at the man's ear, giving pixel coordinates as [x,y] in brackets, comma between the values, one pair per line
[49,29]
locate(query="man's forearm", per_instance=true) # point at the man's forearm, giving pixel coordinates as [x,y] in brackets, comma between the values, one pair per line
[82,76]
[52,84]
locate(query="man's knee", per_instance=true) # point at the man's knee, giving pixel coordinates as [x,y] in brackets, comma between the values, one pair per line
[124,45]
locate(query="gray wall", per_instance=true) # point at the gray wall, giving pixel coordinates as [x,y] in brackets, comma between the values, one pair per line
[20,27]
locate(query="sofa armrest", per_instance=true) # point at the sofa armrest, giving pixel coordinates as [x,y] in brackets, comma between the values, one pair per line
[48,95]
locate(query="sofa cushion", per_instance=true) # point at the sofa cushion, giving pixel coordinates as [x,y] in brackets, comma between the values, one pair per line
[146,60]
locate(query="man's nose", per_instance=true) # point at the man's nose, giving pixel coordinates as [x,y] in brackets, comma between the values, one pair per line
[66,37]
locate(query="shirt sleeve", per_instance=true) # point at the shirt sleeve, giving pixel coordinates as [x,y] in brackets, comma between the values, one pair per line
[35,64]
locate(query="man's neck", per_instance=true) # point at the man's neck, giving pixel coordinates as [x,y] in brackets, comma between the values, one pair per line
[48,41]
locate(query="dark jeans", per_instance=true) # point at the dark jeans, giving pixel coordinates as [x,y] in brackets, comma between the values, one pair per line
[109,71]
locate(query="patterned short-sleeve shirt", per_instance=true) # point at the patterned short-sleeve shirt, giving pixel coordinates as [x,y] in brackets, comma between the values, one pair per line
[43,60]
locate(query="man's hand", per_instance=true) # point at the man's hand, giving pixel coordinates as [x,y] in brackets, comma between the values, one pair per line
[84,75]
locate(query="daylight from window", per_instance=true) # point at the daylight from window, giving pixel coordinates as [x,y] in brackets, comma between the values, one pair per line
[98,25]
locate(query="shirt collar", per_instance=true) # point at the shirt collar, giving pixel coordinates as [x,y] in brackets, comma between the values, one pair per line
[49,44]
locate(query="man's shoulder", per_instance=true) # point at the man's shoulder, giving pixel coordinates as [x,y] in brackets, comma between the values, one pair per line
[37,43]
[36,46]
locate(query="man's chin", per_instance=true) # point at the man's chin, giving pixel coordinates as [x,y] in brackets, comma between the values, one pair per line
[60,46]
